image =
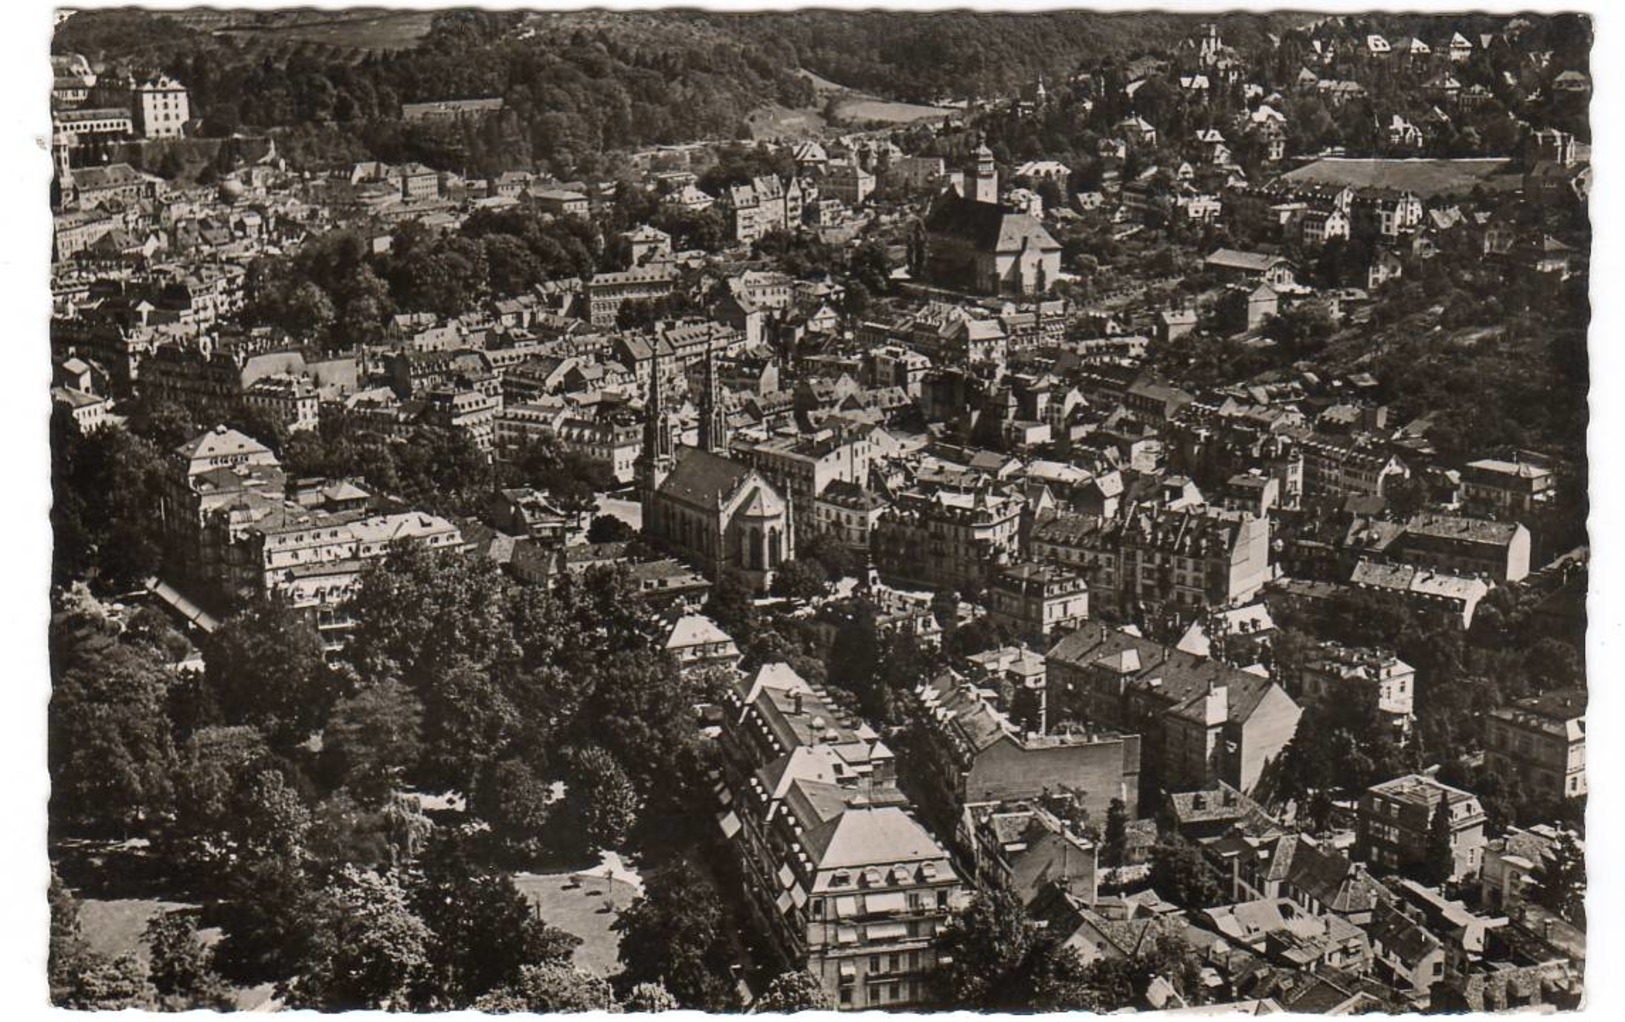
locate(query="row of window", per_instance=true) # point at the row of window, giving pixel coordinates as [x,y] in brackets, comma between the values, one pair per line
[887,993]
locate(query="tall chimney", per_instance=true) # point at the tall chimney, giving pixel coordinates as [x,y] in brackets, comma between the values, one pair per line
[795,702]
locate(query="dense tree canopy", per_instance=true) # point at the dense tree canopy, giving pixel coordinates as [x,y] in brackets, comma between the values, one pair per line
[104,487]
[110,748]
[676,935]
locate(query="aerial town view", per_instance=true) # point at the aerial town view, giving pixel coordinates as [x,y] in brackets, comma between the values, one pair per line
[818,509]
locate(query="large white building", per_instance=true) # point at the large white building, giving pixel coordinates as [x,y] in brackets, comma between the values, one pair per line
[161,107]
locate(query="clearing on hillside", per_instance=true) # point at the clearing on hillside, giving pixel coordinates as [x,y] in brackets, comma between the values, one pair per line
[1427,178]
[370,30]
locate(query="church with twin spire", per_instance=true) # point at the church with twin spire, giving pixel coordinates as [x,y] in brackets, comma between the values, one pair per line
[699,504]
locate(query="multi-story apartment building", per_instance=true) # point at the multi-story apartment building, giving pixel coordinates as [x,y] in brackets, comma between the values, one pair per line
[1322,225]
[761,205]
[607,292]
[210,479]
[946,539]
[955,335]
[465,409]
[417,182]
[974,754]
[314,558]
[1025,848]
[1192,558]
[1034,600]
[1542,742]
[161,107]
[523,422]
[1332,672]
[1346,466]
[417,373]
[1395,820]
[1505,489]
[1438,595]
[848,182]
[1200,721]
[804,466]
[608,445]
[1464,546]
[1159,559]
[839,876]
[1086,544]
[285,398]
[1388,214]
[74,232]
[849,513]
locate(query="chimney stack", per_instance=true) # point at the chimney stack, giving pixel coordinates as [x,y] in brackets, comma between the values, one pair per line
[795,701]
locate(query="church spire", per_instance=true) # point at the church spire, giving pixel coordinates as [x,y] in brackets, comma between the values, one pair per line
[713,417]
[656,458]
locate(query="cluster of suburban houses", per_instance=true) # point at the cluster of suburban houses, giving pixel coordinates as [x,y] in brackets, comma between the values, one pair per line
[1127,537]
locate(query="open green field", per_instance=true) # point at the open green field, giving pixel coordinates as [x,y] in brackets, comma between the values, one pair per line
[848,107]
[1427,178]
[775,121]
[358,30]
[864,110]
[584,906]
[113,927]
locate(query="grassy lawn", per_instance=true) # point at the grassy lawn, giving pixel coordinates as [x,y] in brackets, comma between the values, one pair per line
[113,927]
[585,907]
[863,111]
[1425,177]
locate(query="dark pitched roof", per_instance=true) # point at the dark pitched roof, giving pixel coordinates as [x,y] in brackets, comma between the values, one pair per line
[1331,879]
[986,226]
[1183,676]
[704,479]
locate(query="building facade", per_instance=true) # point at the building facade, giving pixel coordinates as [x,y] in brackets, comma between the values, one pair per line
[1541,741]
[1395,819]
[161,107]
[837,873]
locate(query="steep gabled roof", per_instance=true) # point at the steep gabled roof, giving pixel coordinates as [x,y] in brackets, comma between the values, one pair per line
[868,836]
[221,442]
[705,480]
[987,226]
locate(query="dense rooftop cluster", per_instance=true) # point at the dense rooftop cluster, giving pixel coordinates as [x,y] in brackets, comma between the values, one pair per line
[1113,538]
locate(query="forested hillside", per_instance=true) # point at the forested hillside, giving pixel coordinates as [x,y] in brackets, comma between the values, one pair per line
[578,85]
[922,57]
[568,97]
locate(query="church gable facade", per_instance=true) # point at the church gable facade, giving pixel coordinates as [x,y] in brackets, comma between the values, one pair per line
[702,506]
[718,514]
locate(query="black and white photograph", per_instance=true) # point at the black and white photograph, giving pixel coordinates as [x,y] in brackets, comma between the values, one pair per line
[813,509]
